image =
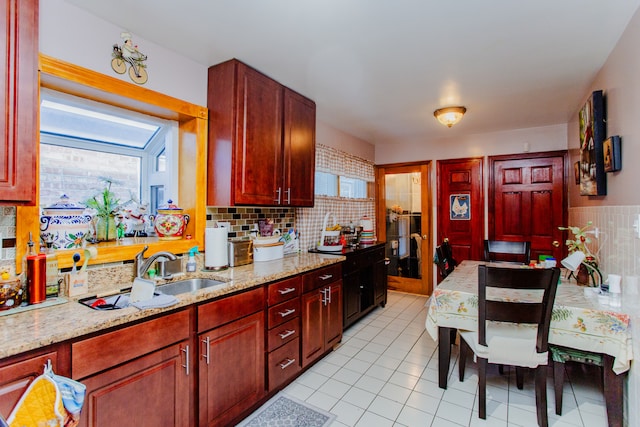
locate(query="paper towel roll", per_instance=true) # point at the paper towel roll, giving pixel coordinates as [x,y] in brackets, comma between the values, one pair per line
[215,245]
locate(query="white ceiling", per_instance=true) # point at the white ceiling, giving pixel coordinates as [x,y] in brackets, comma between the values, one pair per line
[379,68]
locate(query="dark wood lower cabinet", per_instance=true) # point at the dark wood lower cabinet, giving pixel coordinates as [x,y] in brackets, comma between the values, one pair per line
[17,373]
[152,390]
[364,282]
[321,319]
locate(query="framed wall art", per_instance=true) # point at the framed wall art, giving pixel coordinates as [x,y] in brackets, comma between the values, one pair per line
[593,181]
[459,207]
[612,154]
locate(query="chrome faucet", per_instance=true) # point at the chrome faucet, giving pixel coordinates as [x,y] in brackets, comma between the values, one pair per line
[141,265]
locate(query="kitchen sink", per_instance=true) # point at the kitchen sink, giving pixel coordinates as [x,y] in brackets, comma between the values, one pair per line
[188,285]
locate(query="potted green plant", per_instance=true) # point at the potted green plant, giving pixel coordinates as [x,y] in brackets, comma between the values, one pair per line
[105,204]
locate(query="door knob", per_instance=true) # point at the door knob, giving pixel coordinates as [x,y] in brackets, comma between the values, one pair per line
[555,244]
[424,237]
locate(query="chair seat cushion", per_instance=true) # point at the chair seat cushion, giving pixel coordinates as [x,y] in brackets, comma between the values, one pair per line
[507,344]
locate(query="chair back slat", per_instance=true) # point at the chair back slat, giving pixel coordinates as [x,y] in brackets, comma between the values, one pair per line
[520,279]
[513,312]
[499,250]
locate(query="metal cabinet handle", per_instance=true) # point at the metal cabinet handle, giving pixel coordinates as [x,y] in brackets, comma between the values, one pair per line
[287,312]
[329,295]
[326,276]
[289,362]
[286,291]
[324,296]
[286,334]
[278,192]
[185,350]
[288,191]
[206,354]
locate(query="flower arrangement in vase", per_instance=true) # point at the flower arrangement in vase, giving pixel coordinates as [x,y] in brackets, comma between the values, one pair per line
[588,270]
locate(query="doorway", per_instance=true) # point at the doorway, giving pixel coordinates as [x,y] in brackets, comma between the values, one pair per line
[403,222]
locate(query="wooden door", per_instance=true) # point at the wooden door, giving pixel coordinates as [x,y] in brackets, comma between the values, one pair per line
[403,221]
[460,182]
[152,390]
[299,150]
[527,200]
[19,100]
[258,150]
[312,326]
[232,377]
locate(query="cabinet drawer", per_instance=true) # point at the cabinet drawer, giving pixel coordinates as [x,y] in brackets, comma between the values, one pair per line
[321,277]
[282,334]
[228,309]
[284,290]
[104,351]
[284,363]
[283,312]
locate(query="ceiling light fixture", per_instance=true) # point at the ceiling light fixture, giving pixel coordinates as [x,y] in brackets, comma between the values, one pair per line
[449,116]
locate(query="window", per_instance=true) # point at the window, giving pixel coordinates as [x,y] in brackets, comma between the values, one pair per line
[328,184]
[133,149]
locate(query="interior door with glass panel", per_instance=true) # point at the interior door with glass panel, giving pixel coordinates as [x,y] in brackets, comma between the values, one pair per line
[403,221]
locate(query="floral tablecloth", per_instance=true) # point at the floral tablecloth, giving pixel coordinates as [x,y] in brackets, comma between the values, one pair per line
[578,321]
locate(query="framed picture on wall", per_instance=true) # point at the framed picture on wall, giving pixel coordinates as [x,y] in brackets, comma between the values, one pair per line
[593,181]
[612,155]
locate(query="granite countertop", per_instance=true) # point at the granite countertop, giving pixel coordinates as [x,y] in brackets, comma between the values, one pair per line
[40,327]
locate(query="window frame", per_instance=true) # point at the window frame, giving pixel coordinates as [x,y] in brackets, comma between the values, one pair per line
[192,130]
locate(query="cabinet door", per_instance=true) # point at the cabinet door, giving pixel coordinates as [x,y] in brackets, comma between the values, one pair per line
[15,377]
[231,370]
[299,149]
[352,291]
[258,150]
[333,315]
[380,282]
[149,391]
[19,101]
[312,326]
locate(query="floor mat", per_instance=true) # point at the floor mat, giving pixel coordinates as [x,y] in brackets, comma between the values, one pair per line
[284,410]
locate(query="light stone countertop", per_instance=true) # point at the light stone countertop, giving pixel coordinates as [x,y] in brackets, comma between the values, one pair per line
[29,330]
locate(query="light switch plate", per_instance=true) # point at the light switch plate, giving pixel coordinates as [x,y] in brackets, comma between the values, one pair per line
[636,227]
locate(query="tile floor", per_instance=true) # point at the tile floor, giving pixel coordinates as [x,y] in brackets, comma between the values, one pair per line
[385,373]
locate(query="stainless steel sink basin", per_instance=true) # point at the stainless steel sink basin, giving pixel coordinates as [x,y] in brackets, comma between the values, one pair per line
[188,285]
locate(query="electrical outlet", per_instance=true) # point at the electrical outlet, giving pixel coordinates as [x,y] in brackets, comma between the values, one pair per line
[636,226]
[223,224]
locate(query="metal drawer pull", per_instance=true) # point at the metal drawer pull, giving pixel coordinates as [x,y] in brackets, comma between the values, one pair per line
[287,334]
[286,291]
[285,365]
[185,350]
[287,312]
[205,356]
[329,295]
[326,276]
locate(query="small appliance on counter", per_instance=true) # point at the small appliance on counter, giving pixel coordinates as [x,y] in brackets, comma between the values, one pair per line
[268,252]
[240,252]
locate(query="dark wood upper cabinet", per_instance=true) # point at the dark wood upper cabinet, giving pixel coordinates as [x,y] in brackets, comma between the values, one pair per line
[261,140]
[19,100]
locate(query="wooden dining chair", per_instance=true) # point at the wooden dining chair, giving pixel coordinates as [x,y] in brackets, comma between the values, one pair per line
[448,252]
[500,250]
[511,332]
[445,267]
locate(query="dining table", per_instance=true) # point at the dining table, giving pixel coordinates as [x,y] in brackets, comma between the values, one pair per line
[582,319]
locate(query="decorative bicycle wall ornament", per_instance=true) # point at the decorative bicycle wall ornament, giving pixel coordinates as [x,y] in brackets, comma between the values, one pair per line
[129,54]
